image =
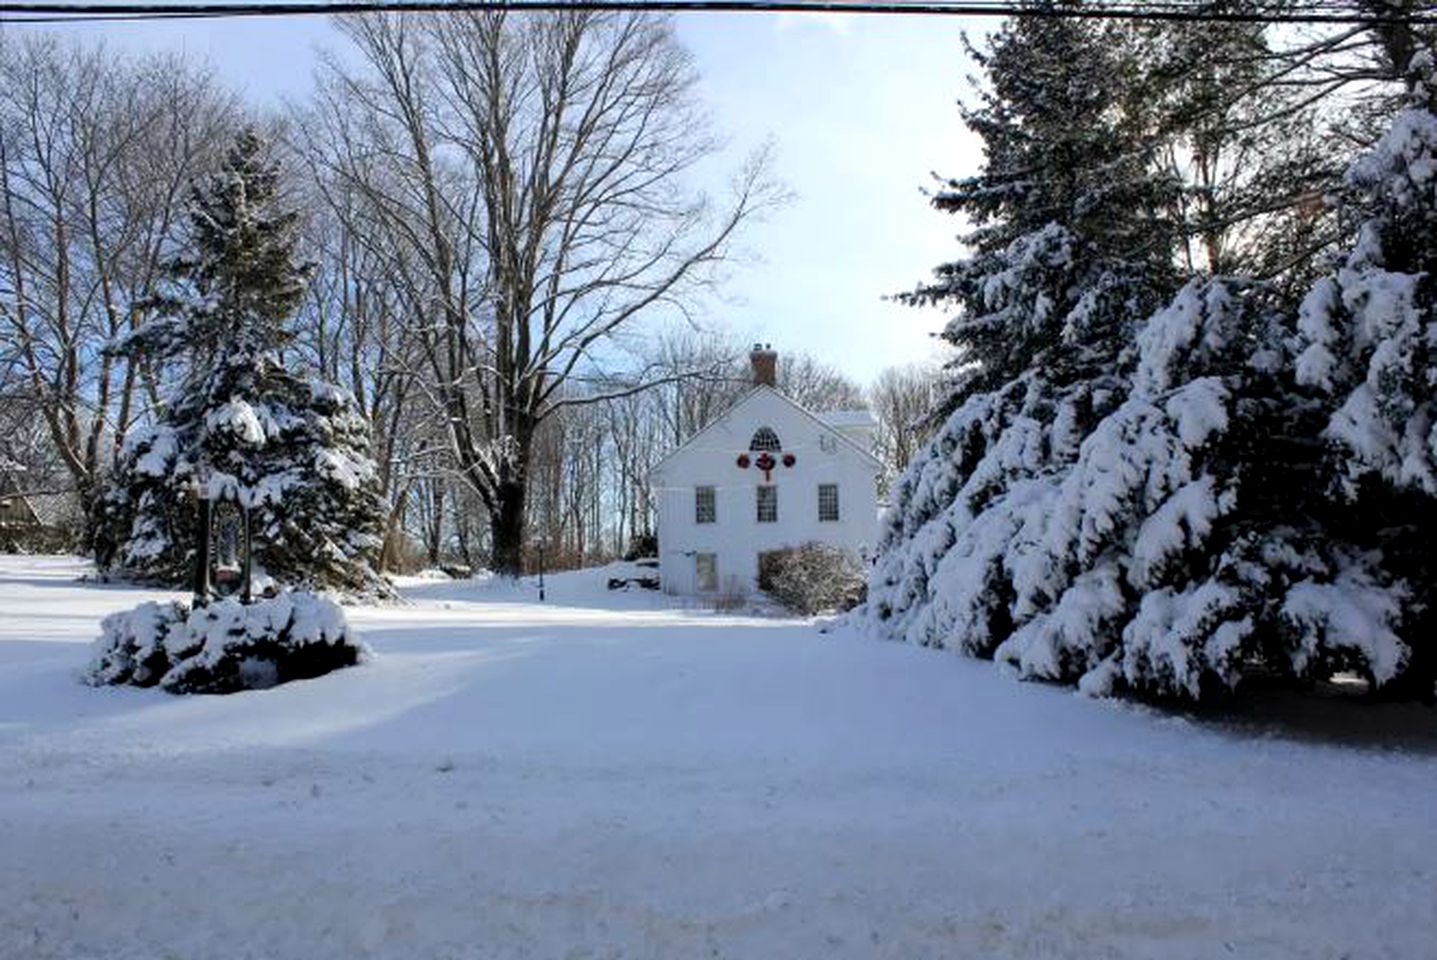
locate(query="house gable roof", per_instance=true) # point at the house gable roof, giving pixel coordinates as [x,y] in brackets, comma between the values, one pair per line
[52,509]
[762,390]
[848,418]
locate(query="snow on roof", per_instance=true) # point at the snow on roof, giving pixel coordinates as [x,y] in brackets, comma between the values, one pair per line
[847,418]
[48,509]
[53,509]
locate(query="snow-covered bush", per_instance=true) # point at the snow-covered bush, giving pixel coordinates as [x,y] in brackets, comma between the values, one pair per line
[641,546]
[226,646]
[812,578]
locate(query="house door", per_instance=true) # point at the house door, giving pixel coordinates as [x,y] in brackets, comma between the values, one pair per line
[706,576]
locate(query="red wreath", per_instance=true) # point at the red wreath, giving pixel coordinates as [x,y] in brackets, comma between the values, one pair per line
[789,459]
[743,461]
[765,462]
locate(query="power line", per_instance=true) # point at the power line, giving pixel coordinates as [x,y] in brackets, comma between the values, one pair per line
[1170,10]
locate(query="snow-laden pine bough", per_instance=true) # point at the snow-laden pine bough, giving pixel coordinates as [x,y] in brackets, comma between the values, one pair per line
[225,646]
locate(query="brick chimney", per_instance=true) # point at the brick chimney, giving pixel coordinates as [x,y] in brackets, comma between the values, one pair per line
[765,365]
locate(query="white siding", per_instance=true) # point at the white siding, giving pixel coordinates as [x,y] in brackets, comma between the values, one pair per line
[737,538]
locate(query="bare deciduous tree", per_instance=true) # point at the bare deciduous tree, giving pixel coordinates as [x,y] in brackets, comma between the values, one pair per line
[96,156]
[816,385]
[902,400]
[537,168]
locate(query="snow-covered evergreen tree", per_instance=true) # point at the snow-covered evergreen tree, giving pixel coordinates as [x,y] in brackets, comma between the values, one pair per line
[240,424]
[1369,334]
[1157,555]
[1176,556]
[1073,231]
[1125,497]
[1072,244]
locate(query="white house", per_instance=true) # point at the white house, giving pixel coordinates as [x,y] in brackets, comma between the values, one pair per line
[765,475]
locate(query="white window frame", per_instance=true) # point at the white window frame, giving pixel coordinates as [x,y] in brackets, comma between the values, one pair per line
[702,516]
[832,489]
[759,503]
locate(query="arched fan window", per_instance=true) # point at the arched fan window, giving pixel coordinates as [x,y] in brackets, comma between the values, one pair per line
[765,439]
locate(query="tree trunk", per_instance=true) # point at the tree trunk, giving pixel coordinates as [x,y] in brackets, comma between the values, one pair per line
[506,529]
[391,553]
[434,535]
[1399,41]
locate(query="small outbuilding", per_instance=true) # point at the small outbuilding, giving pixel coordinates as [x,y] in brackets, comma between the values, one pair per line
[766,475]
[31,521]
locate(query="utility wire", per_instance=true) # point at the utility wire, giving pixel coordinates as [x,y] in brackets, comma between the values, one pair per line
[1170,10]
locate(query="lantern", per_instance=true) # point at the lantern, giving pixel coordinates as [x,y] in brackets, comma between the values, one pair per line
[223,565]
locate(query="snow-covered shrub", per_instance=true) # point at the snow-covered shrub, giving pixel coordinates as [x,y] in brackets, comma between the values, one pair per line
[132,646]
[226,646]
[641,546]
[812,578]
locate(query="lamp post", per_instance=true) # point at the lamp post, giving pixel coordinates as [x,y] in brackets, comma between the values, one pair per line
[235,548]
[540,545]
[202,548]
[246,558]
[230,551]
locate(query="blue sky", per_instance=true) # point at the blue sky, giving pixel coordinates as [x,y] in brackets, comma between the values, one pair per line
[861,109]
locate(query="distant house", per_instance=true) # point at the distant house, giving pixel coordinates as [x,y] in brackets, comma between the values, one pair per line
[33,520]
[767,474]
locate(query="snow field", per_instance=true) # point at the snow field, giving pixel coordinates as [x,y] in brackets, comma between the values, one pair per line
[603,776]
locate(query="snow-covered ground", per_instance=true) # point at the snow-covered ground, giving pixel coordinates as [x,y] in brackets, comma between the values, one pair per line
[622,779]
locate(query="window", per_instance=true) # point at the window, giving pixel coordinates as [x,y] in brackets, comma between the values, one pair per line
[767,503]
[705,511]
[706,571]
[765,439]
[827,501]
